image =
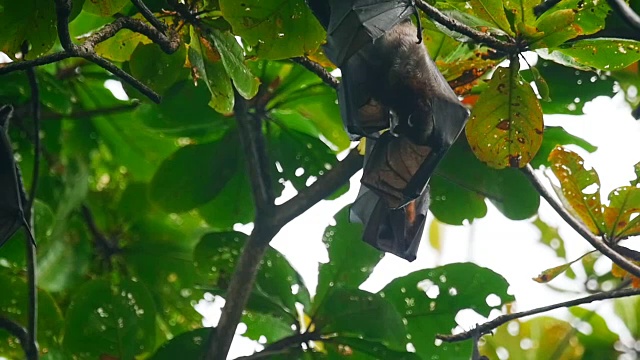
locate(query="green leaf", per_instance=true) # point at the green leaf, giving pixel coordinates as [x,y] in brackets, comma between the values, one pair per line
[302,100]
[600,342]
[546,335]
[278,286]
[121,46]
[33,21]
[365,346]
[190,345]
[299,155]
[550,236]
[621,215]
[492,11]
[579,188]
[13,306]
[277,30]
[505,127]
[213,73]
[628,310]
[270,327]
[603,53]
[174,118]
[155,68]
[351,260]
[567,20]
[64,256]
[454,204]
[106,319]
[430,299]
[104,7]
[520,13]
[462,182]
[233,205]
[359,313]
[159,252]
[198,173]
[554,136]
[232,57]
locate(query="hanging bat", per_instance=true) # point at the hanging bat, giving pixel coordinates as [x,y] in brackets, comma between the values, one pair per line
[397,231]
[12,196]
[390,82]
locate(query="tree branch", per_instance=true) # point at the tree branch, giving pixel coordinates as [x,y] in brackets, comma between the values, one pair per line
[320,189]
[317,69]
[455,25]
[19,332]
[264,230]
[500,320]
[32,310]
[595,241]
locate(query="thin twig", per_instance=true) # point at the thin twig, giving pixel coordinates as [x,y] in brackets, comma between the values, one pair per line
[320,189]
[632,19]
[32,310]
[19,332]
[595,241]
[107,247]
[500,320]
[148,15]
[455,25]
[317,69]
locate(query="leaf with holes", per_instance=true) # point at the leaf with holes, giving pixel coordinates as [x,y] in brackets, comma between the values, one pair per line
[117,320]
[604,53]
[351,260]
[505,128]
[276,29]
[430,299]
[278,286]
[621,216]
[579,188]
[362,314]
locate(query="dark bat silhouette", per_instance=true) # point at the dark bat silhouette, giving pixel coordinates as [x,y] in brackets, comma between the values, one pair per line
[390,82]
[12,196]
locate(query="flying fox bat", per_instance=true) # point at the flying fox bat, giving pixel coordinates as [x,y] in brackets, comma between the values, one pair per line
[12,196]
[390,82]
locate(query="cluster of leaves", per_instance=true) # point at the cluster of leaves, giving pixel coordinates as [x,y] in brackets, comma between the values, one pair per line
[133,194]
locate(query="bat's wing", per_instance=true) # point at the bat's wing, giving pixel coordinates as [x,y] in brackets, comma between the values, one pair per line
[397,231]
[392,165]
[361,114]
[356,23]
[12,198]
